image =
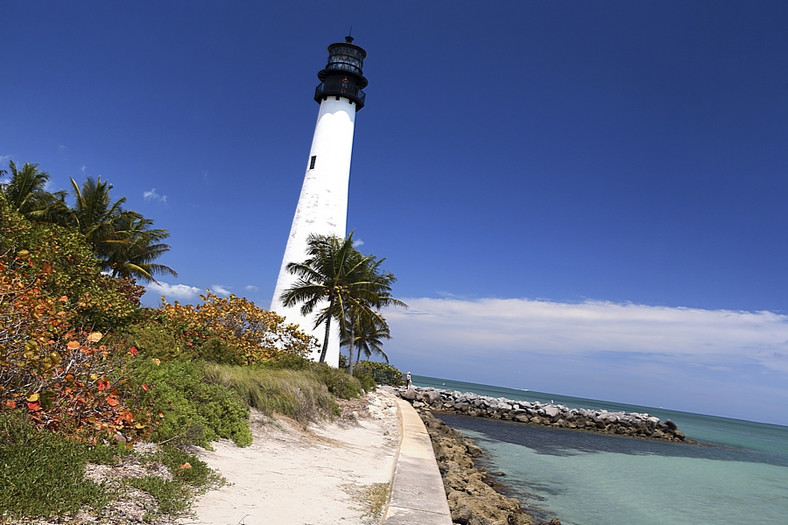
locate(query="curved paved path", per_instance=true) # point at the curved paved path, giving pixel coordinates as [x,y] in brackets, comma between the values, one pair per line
[417,493]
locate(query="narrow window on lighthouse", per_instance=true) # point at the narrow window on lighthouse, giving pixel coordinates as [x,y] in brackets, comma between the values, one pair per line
[312,162]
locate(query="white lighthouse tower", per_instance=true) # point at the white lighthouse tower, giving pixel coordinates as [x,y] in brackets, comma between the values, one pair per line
[322,206]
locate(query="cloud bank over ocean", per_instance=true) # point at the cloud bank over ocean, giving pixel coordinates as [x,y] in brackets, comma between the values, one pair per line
[637,353]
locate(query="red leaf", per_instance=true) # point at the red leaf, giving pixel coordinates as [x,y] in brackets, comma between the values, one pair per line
[145,387]
[34,407]
[133,351]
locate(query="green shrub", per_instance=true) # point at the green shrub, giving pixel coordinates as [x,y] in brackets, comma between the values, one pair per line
[192,409]
[365,378]
[154,340]
[42,474]
[338,381]
[288,361]
[168,493]
[217,351]
[174,496]
[383,373]
[199,474]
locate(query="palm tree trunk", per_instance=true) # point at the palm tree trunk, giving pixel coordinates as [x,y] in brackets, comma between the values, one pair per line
[327,334]
[350,360]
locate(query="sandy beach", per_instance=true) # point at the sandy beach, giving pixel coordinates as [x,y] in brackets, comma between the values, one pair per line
[320,475]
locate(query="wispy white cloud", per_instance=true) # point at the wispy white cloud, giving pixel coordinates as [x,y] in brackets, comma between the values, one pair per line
[688,356]
[62,148]
[153,195]
[251,288]
[175,292]
[220,290]
[596,326]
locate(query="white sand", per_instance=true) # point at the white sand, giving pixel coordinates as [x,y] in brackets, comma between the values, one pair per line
[289,476]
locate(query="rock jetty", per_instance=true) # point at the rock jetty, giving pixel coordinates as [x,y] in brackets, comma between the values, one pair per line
[623,423]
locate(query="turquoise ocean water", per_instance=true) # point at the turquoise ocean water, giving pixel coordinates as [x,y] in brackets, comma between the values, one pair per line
[739,475]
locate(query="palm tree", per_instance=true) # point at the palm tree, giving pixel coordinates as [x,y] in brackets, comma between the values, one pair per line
[369,328]
[93,213]
[26,193]
[346,283]
[134,247]
[124,241]
[366,326]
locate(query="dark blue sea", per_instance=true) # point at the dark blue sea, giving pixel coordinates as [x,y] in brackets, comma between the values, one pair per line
[737,475]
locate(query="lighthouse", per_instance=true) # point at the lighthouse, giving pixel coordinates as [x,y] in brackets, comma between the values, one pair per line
[322,205]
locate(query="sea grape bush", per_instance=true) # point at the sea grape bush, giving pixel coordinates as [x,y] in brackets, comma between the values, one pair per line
[59,375]
[66,265]
[234,325]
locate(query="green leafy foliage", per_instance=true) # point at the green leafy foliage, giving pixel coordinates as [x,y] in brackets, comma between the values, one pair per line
[365,379]
[154,340]
[338,381]
[221,352]
[382,373]
[288,361]
[189,409]
[35,463]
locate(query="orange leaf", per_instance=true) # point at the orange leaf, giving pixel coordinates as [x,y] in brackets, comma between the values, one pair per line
[34,407]
[102,384]
[94,337]
[112,401]
[185,466]
[63,299]
[73,345]
[10,403]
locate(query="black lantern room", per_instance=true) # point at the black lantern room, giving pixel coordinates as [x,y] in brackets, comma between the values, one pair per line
[343,76]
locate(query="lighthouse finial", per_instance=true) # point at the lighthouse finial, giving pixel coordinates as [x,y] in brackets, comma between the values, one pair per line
[349,38]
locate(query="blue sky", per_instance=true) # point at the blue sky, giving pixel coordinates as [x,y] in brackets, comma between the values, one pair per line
[585,198]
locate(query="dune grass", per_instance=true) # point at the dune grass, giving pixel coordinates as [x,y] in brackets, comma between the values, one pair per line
[298,394]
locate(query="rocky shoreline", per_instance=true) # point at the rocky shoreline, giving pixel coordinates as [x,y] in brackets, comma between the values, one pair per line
[622,423]
[470,491]
[474,497]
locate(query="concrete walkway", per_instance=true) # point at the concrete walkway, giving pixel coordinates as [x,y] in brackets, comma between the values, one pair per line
[417,493]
